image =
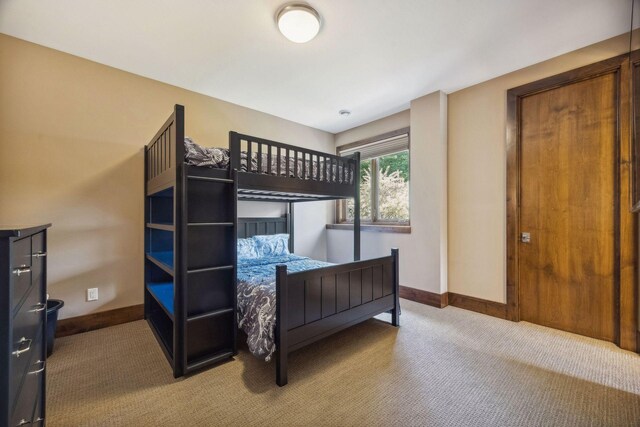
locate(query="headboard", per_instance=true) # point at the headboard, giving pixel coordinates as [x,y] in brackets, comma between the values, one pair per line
[248,227]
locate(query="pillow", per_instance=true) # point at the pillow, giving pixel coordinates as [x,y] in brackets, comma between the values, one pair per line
[247,249]
[198,155]
[272,245]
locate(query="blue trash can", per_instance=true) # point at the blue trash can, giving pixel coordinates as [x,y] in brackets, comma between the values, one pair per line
[53,306]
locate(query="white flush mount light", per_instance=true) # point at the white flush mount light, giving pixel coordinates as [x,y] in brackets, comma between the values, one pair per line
[298,22]
[344,113]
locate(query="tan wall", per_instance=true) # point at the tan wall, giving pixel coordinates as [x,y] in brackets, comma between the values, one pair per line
[71,139]
[423,252]
[477,171]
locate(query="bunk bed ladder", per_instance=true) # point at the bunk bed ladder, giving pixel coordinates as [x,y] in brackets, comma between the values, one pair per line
[210,225]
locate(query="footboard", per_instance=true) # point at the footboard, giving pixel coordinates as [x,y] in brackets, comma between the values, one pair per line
[314,304]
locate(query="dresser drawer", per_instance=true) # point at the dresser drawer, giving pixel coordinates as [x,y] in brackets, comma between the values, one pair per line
[27,398]
[26,387]
[28,367]
[21,253]
[21,268]
[38,256]
[30,315]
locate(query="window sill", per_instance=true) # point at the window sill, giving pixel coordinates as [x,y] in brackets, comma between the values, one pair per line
[376,228]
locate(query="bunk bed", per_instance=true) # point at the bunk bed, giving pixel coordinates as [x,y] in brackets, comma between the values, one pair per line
[191,262]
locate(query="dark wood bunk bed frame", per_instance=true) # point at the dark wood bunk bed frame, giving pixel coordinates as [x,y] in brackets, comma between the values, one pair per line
[191,231]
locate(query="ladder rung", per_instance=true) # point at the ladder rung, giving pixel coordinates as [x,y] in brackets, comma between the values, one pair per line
[202,270]
[206,178]
[210,314]
[213,359]
[204,224]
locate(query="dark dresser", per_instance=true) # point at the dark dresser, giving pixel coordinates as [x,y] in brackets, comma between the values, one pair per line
[23,304]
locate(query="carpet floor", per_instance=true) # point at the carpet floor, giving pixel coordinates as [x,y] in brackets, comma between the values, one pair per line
[442,367]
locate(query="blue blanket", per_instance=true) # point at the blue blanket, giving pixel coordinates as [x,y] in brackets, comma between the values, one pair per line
[257,298]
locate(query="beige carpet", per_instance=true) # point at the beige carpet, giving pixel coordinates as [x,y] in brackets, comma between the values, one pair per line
[446,367]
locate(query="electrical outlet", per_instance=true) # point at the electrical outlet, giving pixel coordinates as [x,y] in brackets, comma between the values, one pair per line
[92,294]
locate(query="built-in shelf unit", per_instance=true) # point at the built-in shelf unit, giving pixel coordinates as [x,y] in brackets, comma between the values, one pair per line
[190,241]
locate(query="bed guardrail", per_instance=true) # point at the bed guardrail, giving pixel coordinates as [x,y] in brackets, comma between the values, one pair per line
[290,160]
[314,304]
[163,154]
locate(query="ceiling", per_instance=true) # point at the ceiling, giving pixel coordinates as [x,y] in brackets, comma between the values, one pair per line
[371,57]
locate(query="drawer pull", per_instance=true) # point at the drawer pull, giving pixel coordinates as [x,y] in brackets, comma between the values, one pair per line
[44,364]
[39,254]
[21,343]
[23,422]
[21,270]
[38,308]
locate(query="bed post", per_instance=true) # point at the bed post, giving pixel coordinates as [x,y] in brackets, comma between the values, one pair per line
[356,208]
[290,225]
[180,216]
[282,347]
[145,266]
[395,313]
[234,151]
[234,176]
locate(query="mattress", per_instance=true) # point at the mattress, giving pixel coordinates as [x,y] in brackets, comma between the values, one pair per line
[219,158]
[257,298]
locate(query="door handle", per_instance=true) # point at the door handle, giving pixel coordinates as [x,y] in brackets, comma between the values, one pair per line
[525,237]
[39,254]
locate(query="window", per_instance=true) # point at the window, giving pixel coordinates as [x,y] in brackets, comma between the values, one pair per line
[384,180]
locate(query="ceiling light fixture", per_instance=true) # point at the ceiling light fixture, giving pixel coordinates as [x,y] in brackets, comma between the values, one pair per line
[298,22]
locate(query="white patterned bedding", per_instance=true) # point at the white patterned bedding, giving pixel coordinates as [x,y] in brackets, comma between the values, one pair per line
[257,298]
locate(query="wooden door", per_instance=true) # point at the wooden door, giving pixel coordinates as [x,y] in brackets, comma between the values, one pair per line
[569,207]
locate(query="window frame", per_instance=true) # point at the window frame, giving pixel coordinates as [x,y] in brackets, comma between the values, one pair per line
[341,205]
